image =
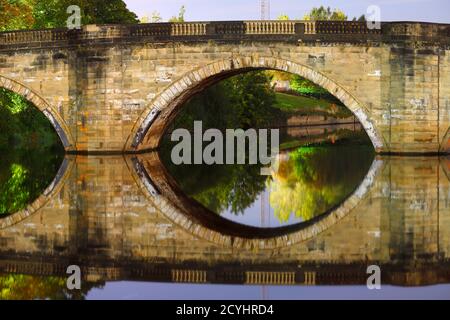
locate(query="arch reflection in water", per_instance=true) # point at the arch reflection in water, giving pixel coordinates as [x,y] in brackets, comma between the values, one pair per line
[310,177]
[103,219]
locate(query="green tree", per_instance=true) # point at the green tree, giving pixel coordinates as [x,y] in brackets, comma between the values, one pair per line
[40,14]
[155,17]
[243,101]
[53,13]
[180,17]
[15,15]
[362,18]
[22,124]
[314,179]
[27,287]
[323,13]
[283,17]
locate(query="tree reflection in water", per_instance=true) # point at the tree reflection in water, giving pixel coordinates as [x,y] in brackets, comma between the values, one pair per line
[308,181]
[311,180]
[30,152]
[24,175]
[27,287]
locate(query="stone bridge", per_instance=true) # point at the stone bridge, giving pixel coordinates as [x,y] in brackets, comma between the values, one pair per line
[115,88]
[102,214]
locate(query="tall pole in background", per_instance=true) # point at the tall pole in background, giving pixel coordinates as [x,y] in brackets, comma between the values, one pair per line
[265,9]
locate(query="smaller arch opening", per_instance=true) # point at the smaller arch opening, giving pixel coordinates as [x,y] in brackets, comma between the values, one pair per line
[31,153]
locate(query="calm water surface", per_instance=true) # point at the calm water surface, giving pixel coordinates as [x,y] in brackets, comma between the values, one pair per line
[99,214]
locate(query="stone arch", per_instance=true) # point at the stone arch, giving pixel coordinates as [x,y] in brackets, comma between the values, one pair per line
[151,125]
[152,178]
[51,191]
[52,115]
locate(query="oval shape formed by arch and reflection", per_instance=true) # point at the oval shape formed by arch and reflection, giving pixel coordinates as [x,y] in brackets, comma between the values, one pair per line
[324,159]
[31,156]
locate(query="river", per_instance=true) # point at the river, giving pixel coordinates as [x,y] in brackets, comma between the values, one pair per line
[140,227]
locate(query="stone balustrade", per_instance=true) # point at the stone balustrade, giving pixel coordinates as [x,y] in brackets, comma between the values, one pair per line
[239,29]
[188,29]
[17,37]
[270,27]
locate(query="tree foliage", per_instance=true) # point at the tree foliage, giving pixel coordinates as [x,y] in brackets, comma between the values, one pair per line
[40,14]
[283,17]
[243,101]
[180,17]
[322,13]
[314,179]
[154,18]
[16,15]
[27,287]
[24,174]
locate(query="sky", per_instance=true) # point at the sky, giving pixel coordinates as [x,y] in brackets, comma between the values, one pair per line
[213,10]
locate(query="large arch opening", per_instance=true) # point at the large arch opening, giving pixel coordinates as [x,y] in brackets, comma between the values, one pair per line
[176,200]
[154,121]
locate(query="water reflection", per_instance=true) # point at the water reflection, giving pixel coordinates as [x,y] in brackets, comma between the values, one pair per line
[30,287]
[24,174]
[103,220]
[312,174]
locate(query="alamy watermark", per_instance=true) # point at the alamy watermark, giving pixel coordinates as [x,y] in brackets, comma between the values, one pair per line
[237,142]
[74,20]
[373,16]
[374,280]
[74,280]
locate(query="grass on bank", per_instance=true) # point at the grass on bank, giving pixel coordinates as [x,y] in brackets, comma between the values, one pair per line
[308,105]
